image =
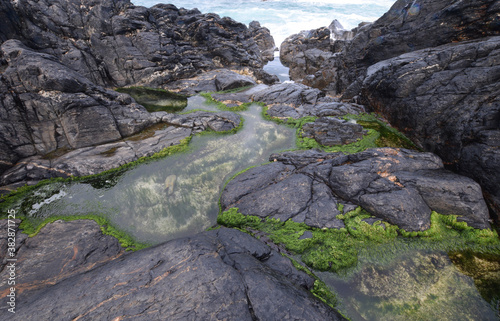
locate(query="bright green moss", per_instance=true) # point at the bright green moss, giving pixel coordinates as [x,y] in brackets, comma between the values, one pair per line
[336,250]
[389,136]
[379,134]
[125,239]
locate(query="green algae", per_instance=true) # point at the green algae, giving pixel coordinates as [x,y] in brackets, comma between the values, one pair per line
[155,99]
[484,269]
[222,106]
[126,240]
[383,272]
[338,249]
[380,134]
[389,136]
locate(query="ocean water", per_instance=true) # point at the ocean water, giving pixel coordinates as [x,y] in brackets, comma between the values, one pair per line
[286,17]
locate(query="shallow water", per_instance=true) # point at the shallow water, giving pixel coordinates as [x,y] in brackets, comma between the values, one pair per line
[177,195]
[417,285]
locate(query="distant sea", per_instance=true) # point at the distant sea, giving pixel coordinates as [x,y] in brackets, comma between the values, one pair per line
[287,17]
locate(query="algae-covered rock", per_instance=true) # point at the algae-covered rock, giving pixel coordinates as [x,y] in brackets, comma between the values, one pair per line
[156,99]
[398,185]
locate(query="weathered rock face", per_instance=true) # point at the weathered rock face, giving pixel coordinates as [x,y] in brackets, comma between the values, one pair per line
[298,100]
[222,274]
[399,186]
[46,106]
[264,40]
[406,27]
[410,26]
[115,43]
[332,131]
[305,54]
[60,250]
[446,99]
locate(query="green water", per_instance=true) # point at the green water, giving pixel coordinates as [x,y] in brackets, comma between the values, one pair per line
[177,195]
[417,285]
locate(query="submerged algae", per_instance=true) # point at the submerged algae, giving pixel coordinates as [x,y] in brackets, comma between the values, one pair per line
[136,201]
[154,99]
[380,134]
[381,271]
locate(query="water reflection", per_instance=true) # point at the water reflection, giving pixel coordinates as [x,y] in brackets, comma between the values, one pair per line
[177,195]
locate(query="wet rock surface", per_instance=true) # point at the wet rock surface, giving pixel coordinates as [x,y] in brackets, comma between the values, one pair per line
[396,185]
[451,93]
[221,274]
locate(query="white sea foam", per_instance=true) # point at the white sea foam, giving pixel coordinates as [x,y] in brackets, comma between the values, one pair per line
[287,17]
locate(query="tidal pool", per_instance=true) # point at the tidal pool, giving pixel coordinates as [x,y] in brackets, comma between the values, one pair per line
[415,285]
[177,195]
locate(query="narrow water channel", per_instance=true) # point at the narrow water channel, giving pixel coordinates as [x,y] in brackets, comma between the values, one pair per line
[177,195]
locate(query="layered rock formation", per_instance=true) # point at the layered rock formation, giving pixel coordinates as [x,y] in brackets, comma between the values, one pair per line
[222,274]
[447,99]
[406,27]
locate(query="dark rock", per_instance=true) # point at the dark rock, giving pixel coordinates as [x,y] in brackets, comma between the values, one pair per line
[224,274]
[264,40]
[59,251]
[230,80]
[303,41]
[292,94]
[333,131]
[399,186]
[115,43]
[215,80]
[298,100]
[446,100]
[61,109]
[406,27]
